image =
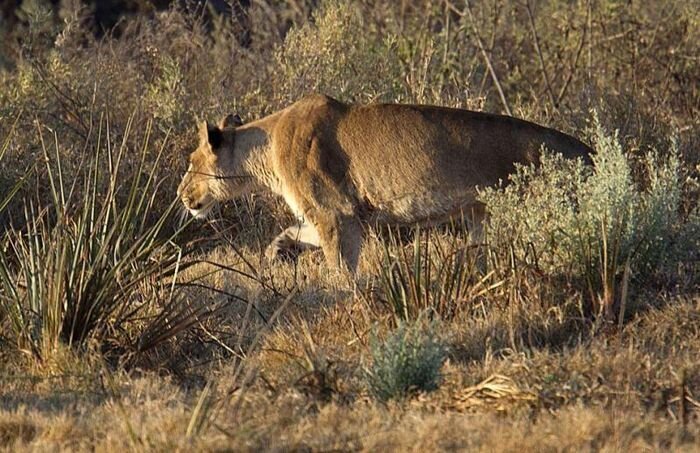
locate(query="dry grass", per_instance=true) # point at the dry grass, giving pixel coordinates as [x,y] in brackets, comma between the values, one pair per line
[280,364]
[616,392]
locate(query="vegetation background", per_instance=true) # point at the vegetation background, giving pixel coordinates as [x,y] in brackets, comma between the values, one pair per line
[574,324]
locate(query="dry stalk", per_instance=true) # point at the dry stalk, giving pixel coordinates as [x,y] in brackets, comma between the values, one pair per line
[540,57]
[468,12]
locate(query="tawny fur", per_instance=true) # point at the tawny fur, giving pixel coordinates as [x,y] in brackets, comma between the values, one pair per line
[341,166]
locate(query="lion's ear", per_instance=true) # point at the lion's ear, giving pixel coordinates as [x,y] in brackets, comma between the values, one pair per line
[231,120]
[210,134]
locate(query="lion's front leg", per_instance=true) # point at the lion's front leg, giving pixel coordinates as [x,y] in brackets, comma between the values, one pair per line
[293,241]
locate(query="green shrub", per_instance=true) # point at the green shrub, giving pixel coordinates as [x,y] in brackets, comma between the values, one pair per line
[409,360]
[336,54]
[568,219]
[164,93]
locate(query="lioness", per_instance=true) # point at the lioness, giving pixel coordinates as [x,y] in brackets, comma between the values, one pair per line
[340,166]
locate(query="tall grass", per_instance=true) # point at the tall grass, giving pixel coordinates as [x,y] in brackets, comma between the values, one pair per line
[10,192]
[95,257]
[436,272]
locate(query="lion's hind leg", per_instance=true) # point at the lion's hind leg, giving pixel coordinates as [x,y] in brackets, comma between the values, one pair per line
[341,240]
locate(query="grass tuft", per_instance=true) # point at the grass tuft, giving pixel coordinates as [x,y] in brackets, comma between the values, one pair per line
[436,272]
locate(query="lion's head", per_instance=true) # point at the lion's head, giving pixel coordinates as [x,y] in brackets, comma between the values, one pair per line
[211,175]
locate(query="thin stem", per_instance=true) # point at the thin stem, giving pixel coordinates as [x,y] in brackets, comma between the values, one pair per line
[536,40]
[480,43]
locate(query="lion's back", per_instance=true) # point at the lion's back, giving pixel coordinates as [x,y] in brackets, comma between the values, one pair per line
[410,162]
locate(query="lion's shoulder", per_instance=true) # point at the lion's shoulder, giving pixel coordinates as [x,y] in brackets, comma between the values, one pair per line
[315,104]
[313,115]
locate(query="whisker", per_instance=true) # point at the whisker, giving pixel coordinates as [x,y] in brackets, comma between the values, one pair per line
[219,176]
[182,217]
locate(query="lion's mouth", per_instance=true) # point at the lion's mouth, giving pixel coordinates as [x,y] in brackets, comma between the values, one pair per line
[201,212]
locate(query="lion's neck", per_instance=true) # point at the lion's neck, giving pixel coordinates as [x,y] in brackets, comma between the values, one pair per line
[254,145]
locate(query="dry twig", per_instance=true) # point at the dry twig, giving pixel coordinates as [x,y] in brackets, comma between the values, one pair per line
[468,12]
[540,57]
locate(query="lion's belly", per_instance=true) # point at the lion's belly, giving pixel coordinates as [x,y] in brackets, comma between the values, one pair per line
[422,207]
